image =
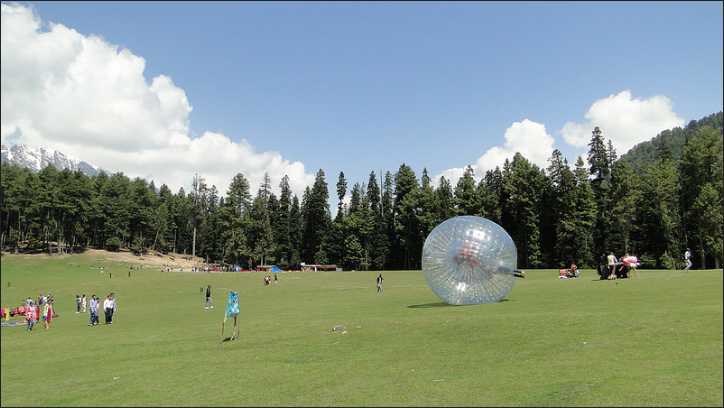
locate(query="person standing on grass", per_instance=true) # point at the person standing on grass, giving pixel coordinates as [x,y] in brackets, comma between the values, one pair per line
[48,313]
[379,283]
[208,298]
[109,306]
[83,303]
[687,258]
[611,259]
[93,311]
[77,304]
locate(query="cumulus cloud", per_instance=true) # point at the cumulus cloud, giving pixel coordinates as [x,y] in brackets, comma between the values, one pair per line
[623,119]
[526,137]
[87,98]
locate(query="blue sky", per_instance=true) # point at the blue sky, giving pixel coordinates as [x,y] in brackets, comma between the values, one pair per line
[366,86]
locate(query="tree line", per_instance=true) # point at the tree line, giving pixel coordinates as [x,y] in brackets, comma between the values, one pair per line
[654,206]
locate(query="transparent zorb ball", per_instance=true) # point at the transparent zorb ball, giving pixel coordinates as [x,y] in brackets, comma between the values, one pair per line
[469,260]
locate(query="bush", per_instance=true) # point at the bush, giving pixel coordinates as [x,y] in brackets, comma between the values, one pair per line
[139,246]
[667,261]
[113,244]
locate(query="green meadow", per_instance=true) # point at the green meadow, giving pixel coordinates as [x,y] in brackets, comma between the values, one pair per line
[653,340]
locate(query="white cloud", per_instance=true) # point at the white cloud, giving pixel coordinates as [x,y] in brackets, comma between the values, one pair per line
[623,119]
[89,99]
[526,137]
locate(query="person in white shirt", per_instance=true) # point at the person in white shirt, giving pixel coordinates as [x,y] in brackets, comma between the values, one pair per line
[687,258]
[612,261]
[83,303]
[109,307]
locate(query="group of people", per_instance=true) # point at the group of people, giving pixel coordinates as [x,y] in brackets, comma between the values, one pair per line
[81,303]
[109,308]
[570,273]
[268,279]
[613,268]
[43,310]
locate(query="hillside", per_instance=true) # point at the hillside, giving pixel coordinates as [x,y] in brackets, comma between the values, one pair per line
[153,259]
[669,142]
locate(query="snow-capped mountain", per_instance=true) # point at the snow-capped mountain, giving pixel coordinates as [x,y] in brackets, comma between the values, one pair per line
[39,158]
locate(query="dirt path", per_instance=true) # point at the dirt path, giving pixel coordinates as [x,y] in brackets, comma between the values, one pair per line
[151,259]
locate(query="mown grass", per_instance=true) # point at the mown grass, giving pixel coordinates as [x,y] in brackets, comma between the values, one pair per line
[654,340]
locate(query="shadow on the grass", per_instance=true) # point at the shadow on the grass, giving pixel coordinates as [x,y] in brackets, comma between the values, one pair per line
[441,304]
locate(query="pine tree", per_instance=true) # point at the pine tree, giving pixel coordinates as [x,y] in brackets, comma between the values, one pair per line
[405,209]
[523,181]
[584,216]
[599,160]
[489,191]
[700,166]
[379,244]
[316,222]
[341,192]
[466,199]
[388,215]
[295,232]
[559,212]
[444,205]
[625,194]
[282,221]
[427,217]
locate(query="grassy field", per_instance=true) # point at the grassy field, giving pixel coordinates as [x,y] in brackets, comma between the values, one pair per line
[654,340]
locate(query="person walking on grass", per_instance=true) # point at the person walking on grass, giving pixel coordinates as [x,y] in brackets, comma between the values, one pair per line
[687,258]
[232,310]
[47,313]
[30,315]
[93,311]
[77,304]
[379,284]
[109,307]
[83,303]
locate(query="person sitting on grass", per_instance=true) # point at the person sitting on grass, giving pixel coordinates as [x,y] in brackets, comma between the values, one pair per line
[573,271]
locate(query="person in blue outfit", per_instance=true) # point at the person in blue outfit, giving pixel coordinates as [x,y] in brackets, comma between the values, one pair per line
[232,310]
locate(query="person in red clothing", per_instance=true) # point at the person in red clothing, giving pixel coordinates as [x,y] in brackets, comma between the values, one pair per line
[30,315]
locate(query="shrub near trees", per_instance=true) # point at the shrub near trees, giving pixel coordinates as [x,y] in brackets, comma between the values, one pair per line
[655,201]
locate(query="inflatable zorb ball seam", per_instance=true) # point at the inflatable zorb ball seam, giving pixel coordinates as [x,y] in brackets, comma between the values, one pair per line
[469,260]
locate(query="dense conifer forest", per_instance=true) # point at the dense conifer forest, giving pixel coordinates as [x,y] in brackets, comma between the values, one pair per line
[655,201]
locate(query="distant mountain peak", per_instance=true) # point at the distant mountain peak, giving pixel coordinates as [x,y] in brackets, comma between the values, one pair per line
[38,158]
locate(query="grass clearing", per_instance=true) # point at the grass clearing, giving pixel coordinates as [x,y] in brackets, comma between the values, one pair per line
[654,340]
